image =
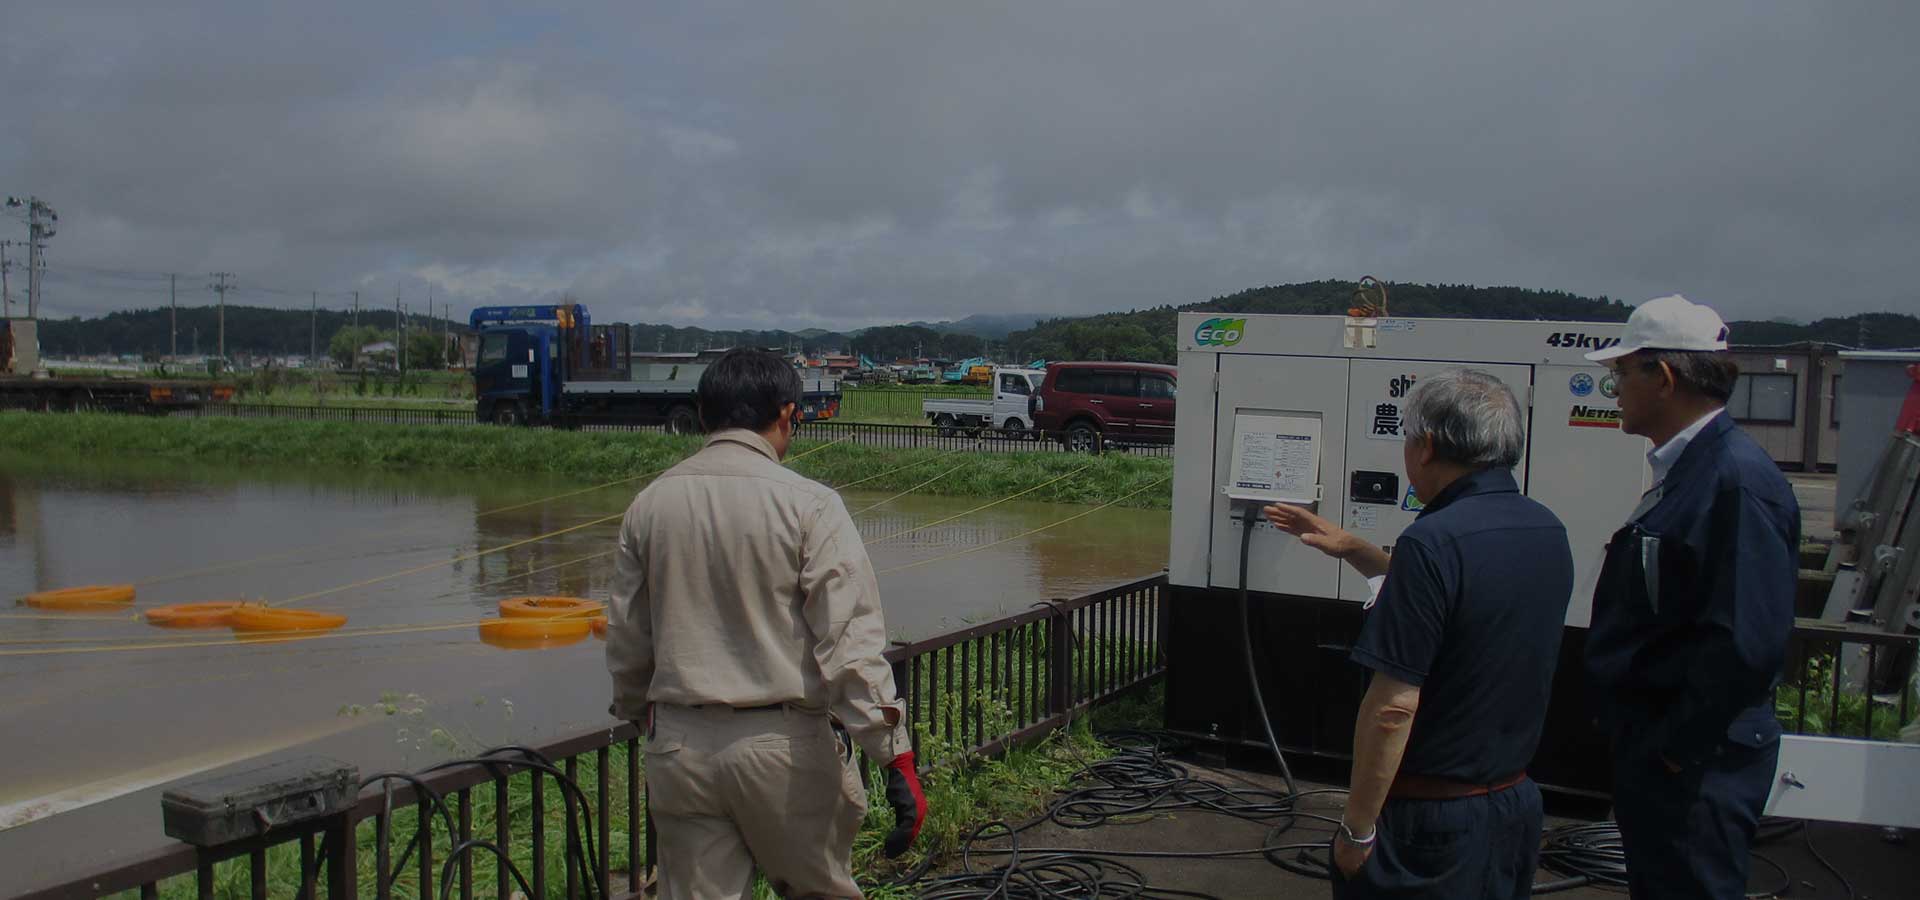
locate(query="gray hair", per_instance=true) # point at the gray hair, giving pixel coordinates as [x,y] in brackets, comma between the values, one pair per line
[1472,417]
[1710,373]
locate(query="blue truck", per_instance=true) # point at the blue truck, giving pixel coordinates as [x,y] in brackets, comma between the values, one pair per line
[550,365]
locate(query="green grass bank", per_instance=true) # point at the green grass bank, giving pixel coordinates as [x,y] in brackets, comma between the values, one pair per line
[590,457]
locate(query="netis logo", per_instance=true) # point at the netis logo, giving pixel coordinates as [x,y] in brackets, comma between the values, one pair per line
[1220,332]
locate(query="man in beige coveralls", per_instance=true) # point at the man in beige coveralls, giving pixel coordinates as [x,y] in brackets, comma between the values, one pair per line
[744,626]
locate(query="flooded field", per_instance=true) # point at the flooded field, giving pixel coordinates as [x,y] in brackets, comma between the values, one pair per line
[100,709]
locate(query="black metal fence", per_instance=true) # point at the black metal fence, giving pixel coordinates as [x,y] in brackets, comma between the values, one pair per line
[978,691]
[383,415]
[1846,683]
[869,434]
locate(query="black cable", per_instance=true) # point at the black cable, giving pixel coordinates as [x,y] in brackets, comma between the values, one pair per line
[1806,833]
[582,853]
[1594,854]
[586,858]
[468,846]
[1246,645]
[423,826]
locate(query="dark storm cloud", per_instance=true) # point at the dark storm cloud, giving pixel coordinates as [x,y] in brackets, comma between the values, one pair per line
[838,164]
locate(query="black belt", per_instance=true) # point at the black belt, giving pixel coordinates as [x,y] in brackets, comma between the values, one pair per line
[740,709]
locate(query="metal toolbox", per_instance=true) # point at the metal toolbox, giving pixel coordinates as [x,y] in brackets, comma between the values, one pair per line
[248,802]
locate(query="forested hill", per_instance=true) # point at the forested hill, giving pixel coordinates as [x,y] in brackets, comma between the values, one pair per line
[251,330]
[1149,335]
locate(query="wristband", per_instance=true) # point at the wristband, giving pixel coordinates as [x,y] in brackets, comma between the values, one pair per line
[1347,835]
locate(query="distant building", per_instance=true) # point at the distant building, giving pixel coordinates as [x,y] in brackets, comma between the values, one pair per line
[377,355]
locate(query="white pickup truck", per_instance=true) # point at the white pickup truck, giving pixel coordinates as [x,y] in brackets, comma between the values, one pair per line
[1005,413]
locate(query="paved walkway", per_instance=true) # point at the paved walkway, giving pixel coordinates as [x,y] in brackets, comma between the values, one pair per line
[1876,868]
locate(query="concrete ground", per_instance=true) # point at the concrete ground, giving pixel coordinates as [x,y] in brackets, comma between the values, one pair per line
[1815,491]
[1877,869]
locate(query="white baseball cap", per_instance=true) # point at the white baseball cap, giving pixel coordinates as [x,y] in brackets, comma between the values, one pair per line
[1668,323]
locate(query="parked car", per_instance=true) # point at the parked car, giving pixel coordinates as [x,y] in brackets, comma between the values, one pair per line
[1090,405]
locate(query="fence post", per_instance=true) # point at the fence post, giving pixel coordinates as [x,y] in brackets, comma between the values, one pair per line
[1059,659]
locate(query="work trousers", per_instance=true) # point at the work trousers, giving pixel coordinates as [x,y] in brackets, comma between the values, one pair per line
[734,790]
[1470,847]
[1690,833]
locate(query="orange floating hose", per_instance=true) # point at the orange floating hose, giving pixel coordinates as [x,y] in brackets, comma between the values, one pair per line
[506,643]
[549,607]
[269,620]
[535,628]
[88,597]
[212,614]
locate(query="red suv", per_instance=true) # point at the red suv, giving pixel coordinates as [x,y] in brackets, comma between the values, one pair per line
[1086,405]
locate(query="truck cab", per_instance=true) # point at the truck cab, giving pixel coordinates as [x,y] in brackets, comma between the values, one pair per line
[515,379]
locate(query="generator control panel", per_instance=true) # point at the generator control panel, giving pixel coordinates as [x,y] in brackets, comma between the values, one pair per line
[1309,410]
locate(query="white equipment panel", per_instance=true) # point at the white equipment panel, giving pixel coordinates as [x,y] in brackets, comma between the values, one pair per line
[1349,375]
[1376,398]
[1842,780]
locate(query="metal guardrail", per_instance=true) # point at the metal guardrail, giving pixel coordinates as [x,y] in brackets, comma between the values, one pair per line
[384,415]
[899,437]
[981,689]
[1840,682]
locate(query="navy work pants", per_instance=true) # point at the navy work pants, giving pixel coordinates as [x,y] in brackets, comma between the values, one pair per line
[1690,833]
[1472,847]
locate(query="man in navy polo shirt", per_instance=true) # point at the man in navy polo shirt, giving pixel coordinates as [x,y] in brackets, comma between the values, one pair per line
[1692,613]
[1461,638]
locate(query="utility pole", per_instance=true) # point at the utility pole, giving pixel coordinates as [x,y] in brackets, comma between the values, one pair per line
[40,219]
[313,331]
[356,310]
[399,334]
[221,287]
[173,318]
[6,291]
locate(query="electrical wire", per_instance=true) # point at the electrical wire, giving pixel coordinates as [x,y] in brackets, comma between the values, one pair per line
[1028,533]
[582,853]
[1806,833]
[964,514]
[942,474]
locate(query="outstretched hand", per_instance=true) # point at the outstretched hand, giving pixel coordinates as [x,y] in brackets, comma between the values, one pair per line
[1312,530]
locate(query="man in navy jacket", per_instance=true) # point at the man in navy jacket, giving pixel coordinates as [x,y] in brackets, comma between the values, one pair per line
[1692,612]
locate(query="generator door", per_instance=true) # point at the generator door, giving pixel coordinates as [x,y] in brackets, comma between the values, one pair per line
[1256,392]
[1379,500]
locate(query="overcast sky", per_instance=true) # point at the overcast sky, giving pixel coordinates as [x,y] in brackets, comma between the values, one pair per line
[798,164]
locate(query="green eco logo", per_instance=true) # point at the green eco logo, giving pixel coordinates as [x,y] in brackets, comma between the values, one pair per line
[1220,332]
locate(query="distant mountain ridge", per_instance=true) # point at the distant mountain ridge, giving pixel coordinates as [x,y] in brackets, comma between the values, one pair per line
[1145,335]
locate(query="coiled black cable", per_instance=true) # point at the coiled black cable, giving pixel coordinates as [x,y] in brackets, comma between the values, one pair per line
[582,853]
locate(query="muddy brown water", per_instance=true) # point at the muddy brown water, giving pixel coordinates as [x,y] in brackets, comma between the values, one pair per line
[99,711]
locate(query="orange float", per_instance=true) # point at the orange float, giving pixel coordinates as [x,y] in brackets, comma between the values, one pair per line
[267,620]
[549,607]
[89,597]
[212,614]
[532,633]
[599,626]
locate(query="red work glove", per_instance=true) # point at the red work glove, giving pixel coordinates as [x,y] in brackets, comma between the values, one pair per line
[908,802]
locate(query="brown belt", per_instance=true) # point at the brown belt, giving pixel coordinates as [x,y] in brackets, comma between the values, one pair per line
[1429,787]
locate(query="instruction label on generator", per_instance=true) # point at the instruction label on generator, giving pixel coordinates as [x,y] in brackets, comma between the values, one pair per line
[1275,458]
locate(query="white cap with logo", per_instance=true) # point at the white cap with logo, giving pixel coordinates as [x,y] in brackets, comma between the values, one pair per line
[1668,323]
